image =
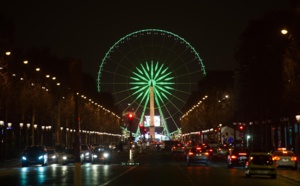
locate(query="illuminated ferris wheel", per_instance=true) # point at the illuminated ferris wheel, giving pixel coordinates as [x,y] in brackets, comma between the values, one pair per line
[151,58]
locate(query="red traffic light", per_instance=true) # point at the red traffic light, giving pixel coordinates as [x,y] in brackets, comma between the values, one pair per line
[130,116]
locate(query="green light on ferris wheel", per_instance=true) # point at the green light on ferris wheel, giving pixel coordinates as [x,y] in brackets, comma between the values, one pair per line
[153,74]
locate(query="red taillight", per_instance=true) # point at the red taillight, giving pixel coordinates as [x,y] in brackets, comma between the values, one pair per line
[233,157]
[206,153]
[198,148]
[276,158]
[294,158]
[191,153]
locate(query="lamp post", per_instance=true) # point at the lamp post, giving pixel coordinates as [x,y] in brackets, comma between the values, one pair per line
[42,140]
[298,135]
[61,134]
[20,131]
[220,125]
[34,134]
[1,140]
[67,133]
[234,131]
[27,133]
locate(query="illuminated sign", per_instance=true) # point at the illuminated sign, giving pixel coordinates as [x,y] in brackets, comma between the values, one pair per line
[156,121]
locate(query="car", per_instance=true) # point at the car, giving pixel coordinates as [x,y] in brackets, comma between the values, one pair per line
[261,163]
[53,156]
[101,154]
[85,153]
[36,154]
[223,149]
[285,158]
[68,156]
[237,157]
[178,148]
[207,147]
[162,146]
[198,155]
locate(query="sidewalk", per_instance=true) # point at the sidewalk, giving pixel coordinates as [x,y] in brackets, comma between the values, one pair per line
[287,173]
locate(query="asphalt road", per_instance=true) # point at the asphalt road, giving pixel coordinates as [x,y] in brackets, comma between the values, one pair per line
[152,167]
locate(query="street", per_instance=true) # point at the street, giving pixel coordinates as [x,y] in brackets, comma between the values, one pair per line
[155,167]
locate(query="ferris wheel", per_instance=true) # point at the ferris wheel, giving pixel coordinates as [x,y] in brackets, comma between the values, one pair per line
[151,58]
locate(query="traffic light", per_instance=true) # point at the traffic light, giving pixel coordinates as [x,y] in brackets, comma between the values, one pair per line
[130,118]
[241,127]
[142,130]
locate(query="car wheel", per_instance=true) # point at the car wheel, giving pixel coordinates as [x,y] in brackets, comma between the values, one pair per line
[229,165]
[188,163]
[248,175]
[24,164]
[274,176]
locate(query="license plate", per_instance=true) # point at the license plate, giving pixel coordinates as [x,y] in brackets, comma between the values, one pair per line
[285,160]
[243,157]
[198,154]
[262,172]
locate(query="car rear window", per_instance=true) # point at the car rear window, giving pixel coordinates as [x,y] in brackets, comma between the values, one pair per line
[284,153]
[262,160]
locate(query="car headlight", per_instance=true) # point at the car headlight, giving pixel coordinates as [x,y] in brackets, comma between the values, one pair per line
[64,157]
[105,155]
[95,156]
[41,157]
[53,157]
[87,153]
[24,158]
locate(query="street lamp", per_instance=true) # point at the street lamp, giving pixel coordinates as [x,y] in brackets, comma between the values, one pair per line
[248,137]
[1,140]
[220,125]
[34,134]
[61,129]
[298,134]
[28,126]
[20,131]
[43,128]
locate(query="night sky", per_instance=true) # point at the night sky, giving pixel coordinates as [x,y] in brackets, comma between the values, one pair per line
[87,30]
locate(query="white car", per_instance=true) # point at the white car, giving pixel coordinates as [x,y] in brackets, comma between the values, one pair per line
[285,158]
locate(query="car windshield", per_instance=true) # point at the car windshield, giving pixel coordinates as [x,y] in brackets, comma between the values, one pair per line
[262,159]
[35,149]
[284,153]
[84,147]
[98,149]
[50,151]
[69,151]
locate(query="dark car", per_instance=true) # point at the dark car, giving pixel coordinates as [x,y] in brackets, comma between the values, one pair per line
[33,155]
[102,154]
[178,148]
[198,155]
[68,156]
[237,157]
[208,148]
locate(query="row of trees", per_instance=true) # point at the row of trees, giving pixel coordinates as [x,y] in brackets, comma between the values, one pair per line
[266,83]
[213,103]
[28,96]
[268,68]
